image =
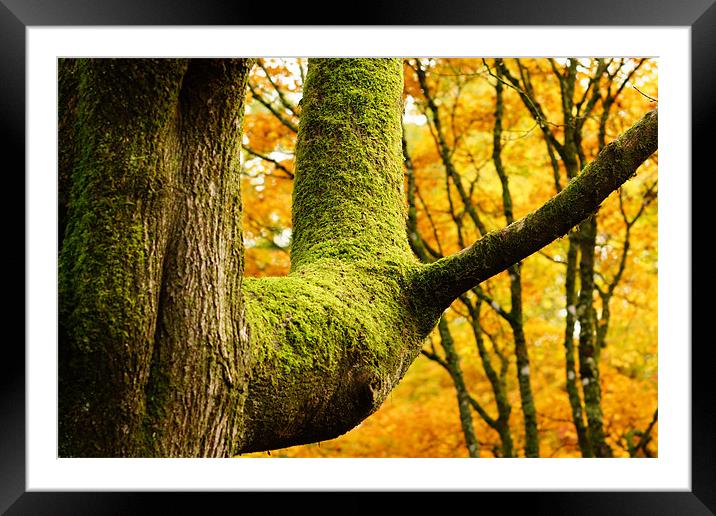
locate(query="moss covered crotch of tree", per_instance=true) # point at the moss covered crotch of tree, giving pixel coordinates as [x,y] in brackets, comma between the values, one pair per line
[336,334]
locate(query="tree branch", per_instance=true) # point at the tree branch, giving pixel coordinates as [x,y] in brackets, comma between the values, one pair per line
[266,157]
[281,97]
[445,153]
[445,279]
[265,103]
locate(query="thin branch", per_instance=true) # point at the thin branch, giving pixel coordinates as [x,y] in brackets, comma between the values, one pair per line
[284,101]
[494,305]
[592,102]
[447,278]
[628,77]
[644,94]
[437,253]
[264,157]
[435,358]
[281,118]
[416,241]
[646,200]
[646,435]
[491,422]
[551,258]
[499,351]
[444,151]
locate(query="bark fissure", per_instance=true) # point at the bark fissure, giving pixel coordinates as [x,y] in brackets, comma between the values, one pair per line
[199,345]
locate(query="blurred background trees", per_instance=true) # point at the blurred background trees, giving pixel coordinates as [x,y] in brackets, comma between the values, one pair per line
[556,357]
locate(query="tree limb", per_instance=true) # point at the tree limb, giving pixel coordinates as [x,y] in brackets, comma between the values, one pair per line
[281,97]
[268,158]
[281,118]
[445,279]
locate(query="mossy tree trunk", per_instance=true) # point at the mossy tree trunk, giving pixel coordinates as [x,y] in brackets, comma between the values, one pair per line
[152,358]
[165,349]
[452,365]
[515,315]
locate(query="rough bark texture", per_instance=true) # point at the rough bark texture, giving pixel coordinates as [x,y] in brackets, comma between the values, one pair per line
[146,310]
[157,357]
[199,369]
[463,396]
[110,263]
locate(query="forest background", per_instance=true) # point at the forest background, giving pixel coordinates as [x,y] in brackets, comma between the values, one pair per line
[556,357]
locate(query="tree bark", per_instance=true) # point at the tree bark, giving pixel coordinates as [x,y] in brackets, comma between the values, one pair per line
[164,349]
[575,401]
[200,364]
[110,264]
[152,359]
[516,317]
[452,361]
[588,346]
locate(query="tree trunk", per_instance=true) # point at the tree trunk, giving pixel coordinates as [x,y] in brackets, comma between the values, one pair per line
[164,350]
[152,359]
[336,334]
[452,360]
[497,381]
[155,356]
[588,350]
[516,318]
[575,401]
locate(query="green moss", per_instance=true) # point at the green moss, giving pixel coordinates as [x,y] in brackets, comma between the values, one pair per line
[117,179]
[348,192]
[331,340]
[108,260]
[351,264]
[327,310]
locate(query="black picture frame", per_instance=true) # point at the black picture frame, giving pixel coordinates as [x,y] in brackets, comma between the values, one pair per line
[17,15]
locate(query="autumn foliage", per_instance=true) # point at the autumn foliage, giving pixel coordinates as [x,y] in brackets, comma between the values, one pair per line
[457,192]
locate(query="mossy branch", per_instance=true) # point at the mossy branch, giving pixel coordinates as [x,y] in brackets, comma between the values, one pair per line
[445,279]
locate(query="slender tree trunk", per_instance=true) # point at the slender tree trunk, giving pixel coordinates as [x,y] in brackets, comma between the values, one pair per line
[497,381]
[575,401]
[588,352]
[516,316]
[523,379]
[463,397]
